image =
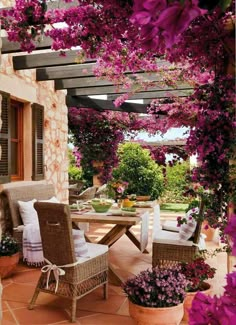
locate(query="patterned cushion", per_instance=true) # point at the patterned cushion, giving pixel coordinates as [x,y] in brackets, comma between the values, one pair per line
[186,230]
[81,247]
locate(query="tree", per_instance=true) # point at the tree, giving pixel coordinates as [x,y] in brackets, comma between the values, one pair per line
[139,170]
[176,182]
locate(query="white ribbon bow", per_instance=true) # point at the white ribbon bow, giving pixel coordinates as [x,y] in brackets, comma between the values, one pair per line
[57,271]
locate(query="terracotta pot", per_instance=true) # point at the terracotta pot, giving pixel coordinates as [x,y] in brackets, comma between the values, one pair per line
[206,289]
[8,264]
[156,316]
[209,232]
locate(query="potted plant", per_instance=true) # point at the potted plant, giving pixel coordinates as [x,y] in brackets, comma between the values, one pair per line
[196,272]
[156,296]
[9,255]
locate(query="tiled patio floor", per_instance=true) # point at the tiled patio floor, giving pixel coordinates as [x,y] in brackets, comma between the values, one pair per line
[92,309]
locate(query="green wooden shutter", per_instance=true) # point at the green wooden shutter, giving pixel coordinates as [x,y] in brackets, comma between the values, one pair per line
[38,141]
[5,143]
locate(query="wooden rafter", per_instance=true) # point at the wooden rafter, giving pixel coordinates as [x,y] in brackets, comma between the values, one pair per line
[13,47]
[156,94]
[101,105]
[50,59]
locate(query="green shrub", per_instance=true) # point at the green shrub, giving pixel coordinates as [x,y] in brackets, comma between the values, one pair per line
[139,170]
[176,183]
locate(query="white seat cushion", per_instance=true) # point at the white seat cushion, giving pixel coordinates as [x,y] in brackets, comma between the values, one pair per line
[94,250]
[169,237]
[170,225]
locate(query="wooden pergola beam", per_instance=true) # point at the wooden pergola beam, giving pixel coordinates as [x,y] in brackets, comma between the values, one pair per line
[156,94]
[65,72]
[101,105]
[84,82]
[76,72]
[13,47]
[50,59]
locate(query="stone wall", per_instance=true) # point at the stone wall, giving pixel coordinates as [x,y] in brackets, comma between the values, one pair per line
[22,86]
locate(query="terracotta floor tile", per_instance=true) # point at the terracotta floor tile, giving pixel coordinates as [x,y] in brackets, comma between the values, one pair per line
[94,303]
[102,319]
[18,292]
[8,319]
[16,304]
[31,276]
[124,308]
[40,315]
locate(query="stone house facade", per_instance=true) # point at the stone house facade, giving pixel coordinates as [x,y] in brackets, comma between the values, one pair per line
[27,106]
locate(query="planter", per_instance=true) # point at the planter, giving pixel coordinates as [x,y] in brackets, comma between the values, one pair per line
[143,197]
[156,316]
[206,289]
[8,264]
[209,232]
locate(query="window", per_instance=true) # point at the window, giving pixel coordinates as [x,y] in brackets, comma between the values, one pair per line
[16,140]
[12,140]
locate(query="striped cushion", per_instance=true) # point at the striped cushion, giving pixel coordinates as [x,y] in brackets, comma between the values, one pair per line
[81,247]
[186,230]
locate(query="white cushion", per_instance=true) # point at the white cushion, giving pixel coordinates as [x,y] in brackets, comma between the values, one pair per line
[170,225]
[51,200]
[94,251]
[169,237]
[80,244]
[28,213]
[186,230]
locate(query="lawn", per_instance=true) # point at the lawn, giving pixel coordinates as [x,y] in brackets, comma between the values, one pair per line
[174,207]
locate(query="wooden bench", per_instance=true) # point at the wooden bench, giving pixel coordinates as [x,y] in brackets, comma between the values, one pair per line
[10,196]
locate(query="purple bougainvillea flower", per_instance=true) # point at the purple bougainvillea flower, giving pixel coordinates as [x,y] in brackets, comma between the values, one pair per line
[176,18]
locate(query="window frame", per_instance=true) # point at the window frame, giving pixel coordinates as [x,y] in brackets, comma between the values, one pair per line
[19,107]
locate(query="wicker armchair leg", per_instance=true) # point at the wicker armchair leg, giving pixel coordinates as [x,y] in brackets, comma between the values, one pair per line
[33,300]
[105,290]
[73,310]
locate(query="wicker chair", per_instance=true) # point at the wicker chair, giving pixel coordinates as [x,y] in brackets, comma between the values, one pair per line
[10,198]
[58,248]
[168,254]
[87,194]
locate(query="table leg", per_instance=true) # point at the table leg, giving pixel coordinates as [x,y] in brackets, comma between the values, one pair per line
[134,240]
[113,235]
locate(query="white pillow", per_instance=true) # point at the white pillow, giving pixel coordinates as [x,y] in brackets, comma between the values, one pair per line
[80,244]
[28,213]
[187,229]
[51,200]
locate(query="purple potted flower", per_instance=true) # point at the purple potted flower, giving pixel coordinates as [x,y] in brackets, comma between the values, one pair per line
[156,295]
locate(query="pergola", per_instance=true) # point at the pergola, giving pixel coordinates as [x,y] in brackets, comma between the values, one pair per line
[69,75]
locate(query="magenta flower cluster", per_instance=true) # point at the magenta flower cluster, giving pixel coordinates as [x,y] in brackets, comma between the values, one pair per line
[158,287]
[215,310]
[197,272]
[231,231]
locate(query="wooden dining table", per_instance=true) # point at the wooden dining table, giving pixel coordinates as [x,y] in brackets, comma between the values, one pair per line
[122,225]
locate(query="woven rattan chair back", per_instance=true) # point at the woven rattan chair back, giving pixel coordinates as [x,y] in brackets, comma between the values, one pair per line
[25,193]
[56,232]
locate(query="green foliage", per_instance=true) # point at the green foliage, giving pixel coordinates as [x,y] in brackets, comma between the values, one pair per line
[74,172]
[139,170]
[8,245]
[176,183]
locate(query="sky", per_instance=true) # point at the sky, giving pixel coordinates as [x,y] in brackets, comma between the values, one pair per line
[171,134]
